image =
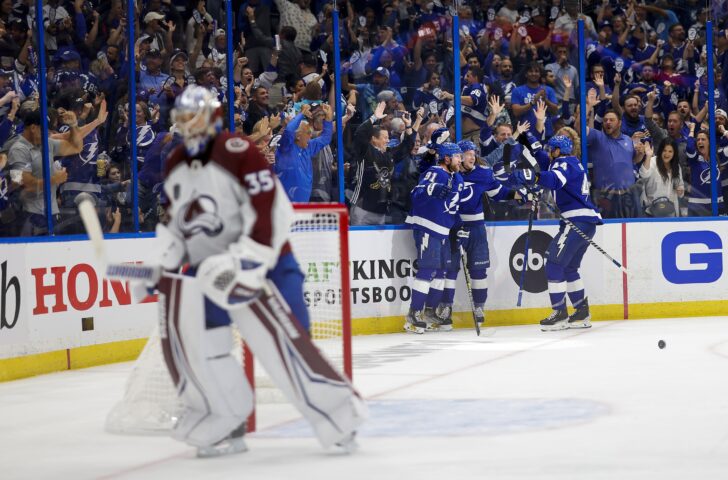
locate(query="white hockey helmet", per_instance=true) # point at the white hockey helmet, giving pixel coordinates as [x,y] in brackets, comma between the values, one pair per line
[197,116]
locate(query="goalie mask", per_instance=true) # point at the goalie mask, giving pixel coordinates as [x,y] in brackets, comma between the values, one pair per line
[197,116]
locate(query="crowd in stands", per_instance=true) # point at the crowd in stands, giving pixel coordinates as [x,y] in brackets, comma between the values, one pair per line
[646,103]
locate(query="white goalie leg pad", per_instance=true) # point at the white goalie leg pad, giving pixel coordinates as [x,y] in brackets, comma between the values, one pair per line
[211,384]
[324,396]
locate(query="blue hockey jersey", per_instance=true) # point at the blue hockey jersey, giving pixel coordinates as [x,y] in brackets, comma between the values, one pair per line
[81,167]
[568,181]
[478,181]
[434,215]
[479,95]
[700,191]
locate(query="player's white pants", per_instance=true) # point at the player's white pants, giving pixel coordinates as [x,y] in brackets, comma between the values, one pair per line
[322,395]
[210,382]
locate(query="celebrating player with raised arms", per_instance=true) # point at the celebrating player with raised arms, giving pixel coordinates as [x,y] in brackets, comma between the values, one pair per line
[565,176]
[229,219]
[471,235]
[435,203]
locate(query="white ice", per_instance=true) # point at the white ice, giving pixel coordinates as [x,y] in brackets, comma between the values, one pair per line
[604,403]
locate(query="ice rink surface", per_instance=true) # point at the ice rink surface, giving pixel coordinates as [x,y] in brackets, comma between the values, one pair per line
[603,403]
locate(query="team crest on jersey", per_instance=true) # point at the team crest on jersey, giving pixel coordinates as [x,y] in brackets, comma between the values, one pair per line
[236,145]
[199,216]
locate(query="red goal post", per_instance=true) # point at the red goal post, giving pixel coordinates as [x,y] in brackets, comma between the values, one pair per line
[320,242]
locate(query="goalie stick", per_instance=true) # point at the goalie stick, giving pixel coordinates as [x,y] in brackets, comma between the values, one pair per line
[120,271]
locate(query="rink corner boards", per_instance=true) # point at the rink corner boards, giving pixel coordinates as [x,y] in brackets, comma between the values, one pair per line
[127,350]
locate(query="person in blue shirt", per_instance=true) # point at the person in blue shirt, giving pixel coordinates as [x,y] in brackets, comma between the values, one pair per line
[564,175]
[435,204]
[474,103]
[525,97]
[613,155]
[296,149]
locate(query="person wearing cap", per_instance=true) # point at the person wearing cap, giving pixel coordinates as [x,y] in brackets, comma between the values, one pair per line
[152,79]
[161,36]
[368,91]
[299,16]
[296,150]
[26,158]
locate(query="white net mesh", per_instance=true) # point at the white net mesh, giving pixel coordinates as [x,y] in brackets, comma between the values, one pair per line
[150,404]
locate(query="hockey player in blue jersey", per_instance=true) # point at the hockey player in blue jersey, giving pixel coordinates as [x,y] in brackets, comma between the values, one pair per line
[435,203]
[478,180]
[564,175]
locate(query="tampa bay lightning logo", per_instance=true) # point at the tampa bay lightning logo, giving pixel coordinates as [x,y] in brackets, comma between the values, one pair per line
[467,192]
[145,135]
[705,176]
[199,216]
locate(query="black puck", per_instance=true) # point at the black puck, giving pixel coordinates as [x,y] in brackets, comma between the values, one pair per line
[661,344]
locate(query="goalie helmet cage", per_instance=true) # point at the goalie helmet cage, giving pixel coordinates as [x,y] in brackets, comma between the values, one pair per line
[319,238]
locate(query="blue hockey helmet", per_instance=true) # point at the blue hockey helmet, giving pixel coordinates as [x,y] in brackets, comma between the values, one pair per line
[439,136]
[467,145]
[563,143]
[448,149]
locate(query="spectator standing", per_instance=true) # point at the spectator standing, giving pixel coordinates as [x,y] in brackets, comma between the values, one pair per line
[296,150]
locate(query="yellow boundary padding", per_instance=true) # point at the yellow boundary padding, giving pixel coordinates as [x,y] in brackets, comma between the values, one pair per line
[127,350]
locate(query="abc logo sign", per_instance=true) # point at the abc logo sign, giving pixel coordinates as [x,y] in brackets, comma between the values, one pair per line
[535,278]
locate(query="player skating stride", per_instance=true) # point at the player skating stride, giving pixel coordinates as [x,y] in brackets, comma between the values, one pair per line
[562,173]
[435,204]
[229,218]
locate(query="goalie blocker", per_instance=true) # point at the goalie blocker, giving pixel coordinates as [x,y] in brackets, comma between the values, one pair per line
[212,384]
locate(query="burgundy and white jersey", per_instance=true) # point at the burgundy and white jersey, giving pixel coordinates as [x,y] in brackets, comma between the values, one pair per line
[224,194]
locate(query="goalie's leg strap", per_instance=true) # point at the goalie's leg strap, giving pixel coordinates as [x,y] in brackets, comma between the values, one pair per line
[322,395]
[210,382]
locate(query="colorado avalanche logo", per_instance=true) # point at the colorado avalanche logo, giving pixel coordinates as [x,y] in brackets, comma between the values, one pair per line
[199,216]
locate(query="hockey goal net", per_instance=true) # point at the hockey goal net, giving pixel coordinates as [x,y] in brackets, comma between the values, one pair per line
[319,238]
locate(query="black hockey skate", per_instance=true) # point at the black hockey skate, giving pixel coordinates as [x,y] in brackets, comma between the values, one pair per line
[430,319]
[580,318]
[414,323]
[443,317]
[558,320]
[479,315]
[233,443]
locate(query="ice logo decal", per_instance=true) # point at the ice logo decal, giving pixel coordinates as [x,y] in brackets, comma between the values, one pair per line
[535,279]
[199,215]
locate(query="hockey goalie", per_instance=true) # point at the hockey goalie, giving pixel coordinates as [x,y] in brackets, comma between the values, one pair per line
[228,219]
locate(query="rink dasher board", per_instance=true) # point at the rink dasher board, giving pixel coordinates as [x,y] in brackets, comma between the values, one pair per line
[676,268]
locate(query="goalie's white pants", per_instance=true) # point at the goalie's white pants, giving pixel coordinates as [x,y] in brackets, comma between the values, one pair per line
[211,383]
[324,396]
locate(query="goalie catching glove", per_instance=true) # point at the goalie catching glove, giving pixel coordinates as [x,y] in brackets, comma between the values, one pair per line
[229,280]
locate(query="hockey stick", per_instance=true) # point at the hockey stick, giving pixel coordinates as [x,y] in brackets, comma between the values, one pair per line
[470,289]
[583,235]
[531,215]
[120,271]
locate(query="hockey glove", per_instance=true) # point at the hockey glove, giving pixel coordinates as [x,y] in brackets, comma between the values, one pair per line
[230,281]
[523,176]
[525,196]
[438,190]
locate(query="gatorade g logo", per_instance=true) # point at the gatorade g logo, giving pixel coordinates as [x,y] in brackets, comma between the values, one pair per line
[692,257]
[535,278]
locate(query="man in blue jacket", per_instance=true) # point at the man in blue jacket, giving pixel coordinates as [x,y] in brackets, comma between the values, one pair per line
[296,149]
